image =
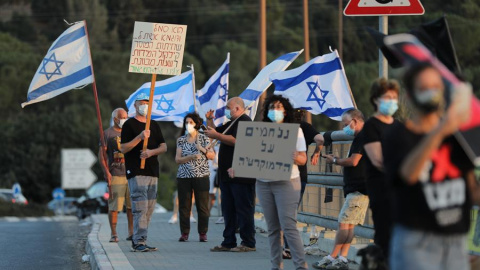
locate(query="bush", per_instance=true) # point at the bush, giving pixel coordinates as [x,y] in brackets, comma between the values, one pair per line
[21,210]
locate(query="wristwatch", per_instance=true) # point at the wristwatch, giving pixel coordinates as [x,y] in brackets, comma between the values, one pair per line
[334,160]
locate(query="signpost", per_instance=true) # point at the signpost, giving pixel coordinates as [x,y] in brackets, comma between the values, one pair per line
[58,195]
[16,190]
[264,150]
[157,48]
[76,173]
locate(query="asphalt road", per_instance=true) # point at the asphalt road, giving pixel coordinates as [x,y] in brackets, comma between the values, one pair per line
[38,244]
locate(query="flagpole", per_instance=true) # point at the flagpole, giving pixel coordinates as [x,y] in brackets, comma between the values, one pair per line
[193,88]
[97,108]
[348,84]
[149,116]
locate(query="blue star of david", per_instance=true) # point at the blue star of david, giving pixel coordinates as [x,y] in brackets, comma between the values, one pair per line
[168,102]
[57,64]
[224,96]
[313,96]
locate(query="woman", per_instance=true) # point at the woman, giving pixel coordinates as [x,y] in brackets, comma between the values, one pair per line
[279,199]
[384,98]
[432,178]
[193,175]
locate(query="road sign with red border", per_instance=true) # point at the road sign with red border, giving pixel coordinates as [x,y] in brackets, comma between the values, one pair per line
[383,8]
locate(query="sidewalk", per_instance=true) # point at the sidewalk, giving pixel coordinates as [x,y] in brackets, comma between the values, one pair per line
[172,254]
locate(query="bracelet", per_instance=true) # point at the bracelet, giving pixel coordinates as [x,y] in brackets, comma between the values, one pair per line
[334,160]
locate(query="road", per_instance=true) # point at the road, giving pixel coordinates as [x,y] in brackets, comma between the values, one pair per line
[42,243]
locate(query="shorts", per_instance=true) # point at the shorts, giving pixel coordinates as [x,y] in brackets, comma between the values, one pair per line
[120,194]
[354,209]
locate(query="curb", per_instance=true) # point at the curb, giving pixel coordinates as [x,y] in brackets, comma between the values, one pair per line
[98,258]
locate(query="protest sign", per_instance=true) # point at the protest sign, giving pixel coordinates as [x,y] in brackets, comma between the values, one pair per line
[264,150]
[157,48]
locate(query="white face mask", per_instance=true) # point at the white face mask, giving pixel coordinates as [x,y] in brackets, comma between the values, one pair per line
[121,122]
[189,128]
[143,109]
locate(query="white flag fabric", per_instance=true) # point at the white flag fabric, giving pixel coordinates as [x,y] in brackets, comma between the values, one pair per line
[172,98]
[319,86]
[67,65]
[214,95]
[256,88]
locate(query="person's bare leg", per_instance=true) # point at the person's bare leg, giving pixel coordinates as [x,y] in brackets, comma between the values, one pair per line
[346,245]
[112,218]
[340,239]
[130,221]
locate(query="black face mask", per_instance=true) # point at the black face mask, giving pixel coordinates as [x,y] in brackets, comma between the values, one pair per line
[429,100]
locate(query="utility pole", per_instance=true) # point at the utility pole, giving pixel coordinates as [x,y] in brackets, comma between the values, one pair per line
[340,28]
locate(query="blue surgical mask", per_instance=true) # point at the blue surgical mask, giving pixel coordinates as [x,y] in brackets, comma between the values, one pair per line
[227,114]
[349,131]
[276,116]
[388,107]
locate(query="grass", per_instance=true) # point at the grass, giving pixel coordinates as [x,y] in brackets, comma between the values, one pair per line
[21,210]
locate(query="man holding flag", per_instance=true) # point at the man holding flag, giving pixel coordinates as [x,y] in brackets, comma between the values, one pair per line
[142,182]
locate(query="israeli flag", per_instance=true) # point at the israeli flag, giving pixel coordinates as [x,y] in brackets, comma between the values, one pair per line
[256,88]
[319,86]
[67,65]
[214,95]
[172,98]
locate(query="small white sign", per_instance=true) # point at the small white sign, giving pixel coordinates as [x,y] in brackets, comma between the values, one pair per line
[77,158]
[157,48]
[77,178]
[76,173]
[264,150]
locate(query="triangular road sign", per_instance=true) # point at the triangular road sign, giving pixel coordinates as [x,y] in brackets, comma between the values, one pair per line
[383,7]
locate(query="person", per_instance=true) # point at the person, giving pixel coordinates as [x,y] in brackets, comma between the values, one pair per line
[356,201]
[174,218]
[311,135]
[237,194]
[113,167]
[384,98]
[142,182]
[280,199]
[193,175]
[213,166]
[432,178]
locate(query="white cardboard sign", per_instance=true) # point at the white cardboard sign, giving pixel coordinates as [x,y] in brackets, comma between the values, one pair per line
[157,48]
[264,150]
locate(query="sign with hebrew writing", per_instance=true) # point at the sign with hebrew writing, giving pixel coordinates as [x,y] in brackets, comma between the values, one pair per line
[157,48]
[264,150]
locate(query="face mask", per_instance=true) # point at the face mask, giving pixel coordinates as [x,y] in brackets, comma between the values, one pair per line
[121,122]
[428,100]
[276,116]
[227,114]
[388,107]
[143,109]
[349,131]
[189,129]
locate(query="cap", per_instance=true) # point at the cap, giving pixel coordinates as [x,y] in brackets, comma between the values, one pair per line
[142,96]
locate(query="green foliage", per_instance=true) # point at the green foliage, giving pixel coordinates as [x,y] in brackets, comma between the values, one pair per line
[32,138]
[8,209]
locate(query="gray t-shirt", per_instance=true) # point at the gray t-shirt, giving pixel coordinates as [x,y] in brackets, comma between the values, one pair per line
[116,160]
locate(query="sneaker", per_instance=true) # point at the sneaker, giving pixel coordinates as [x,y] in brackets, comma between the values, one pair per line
[139,248]
[219,248]
[129,238]
[151,248]
[193,220]
[220,220]
[338,264]
[243,248]
[183,238]
[203,237]
[323,263]
[173,219]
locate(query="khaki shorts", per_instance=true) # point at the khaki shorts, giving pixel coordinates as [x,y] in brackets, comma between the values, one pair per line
[120,194]
[354,209]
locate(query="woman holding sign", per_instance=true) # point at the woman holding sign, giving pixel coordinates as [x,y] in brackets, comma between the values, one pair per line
[193,175]
[279,199]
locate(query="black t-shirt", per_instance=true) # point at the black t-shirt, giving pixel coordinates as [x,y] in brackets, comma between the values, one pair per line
[309,132]
[354,177]
[373,131]
[439,202]
[225,154]
[130,130]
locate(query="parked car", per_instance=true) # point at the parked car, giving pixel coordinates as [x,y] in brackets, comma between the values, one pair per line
[7,195]
[94,201]
[69,206]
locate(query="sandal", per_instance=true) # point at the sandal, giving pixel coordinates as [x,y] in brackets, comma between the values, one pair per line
[286,254]
[220,249]
[114,239]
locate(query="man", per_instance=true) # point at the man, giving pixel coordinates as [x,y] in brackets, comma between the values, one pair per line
[356,202]
[142,182]
[238,194]
[114,172]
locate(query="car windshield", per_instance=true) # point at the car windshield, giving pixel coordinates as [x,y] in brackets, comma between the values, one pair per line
[97,190]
